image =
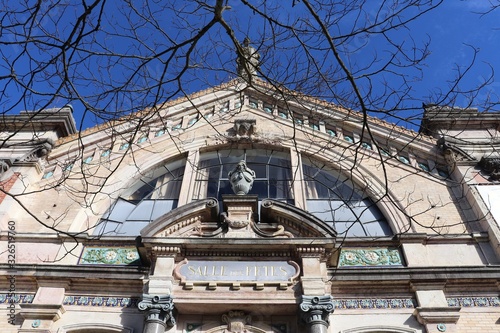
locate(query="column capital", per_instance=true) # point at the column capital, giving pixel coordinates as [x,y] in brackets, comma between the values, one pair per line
[316,309]
[159,309]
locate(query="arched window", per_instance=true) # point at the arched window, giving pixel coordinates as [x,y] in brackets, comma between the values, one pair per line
[153,195]
[330,195]
[272,170]
[333,198]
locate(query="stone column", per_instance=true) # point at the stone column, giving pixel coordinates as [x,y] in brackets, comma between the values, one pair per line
[159,314]
[315,312]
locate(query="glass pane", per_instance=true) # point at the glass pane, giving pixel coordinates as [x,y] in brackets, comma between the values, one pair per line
[280,189]
[225,188]
[353,229]
[107,228]
[161,207]
[348,138]
[377,228]
[124,146]
[143,191]
[132,228]
[260,170]
[423,166]
[404,159]
[48,175]
[212,190]
[119,211]
[321,209]
[260,188]
[142,211]
[443,173]
[384,152]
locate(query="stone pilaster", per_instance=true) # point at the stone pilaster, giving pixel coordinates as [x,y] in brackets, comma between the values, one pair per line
[159,313]
[47,307]
[438,319]
[315,312]
[161,280]
[314,277]
[433,311]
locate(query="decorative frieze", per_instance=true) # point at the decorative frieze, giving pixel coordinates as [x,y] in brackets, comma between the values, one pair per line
[362,257]
[232,253]
[474,301]
[17,298]
[375,303]
[166,250]
[118,302]
[311,251]
[109,256]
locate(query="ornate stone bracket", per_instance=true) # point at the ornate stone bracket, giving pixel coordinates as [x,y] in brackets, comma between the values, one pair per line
[314,252]
[159,310]
[245,127]
[236,321]
[490,165]
[453,152]
[5,164]
[315,312]
[442,319]
[243,130]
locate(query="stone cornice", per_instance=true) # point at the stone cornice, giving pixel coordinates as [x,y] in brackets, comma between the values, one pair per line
[59,120]
[71,272]
[415,274]
[233,243]
[156,108]
[339,114]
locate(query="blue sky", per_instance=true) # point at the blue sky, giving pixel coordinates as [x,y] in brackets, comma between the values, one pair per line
[456,30]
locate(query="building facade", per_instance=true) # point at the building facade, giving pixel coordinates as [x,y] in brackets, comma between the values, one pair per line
[246,209]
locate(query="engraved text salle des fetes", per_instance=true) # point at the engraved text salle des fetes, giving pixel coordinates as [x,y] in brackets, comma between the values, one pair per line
[237,271]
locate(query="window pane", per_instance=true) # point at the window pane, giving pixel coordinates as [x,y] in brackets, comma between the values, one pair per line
[280,189]
[161,207]
[267,165]
[334,199]
[142,211]
[259,188]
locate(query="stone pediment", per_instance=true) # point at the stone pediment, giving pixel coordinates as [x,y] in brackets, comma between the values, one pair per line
[180,221]
[239,219]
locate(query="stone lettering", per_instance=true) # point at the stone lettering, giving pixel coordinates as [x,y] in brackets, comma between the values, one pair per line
[277,271]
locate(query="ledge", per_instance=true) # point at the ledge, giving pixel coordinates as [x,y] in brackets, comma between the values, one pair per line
[73,271]
[414,274]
